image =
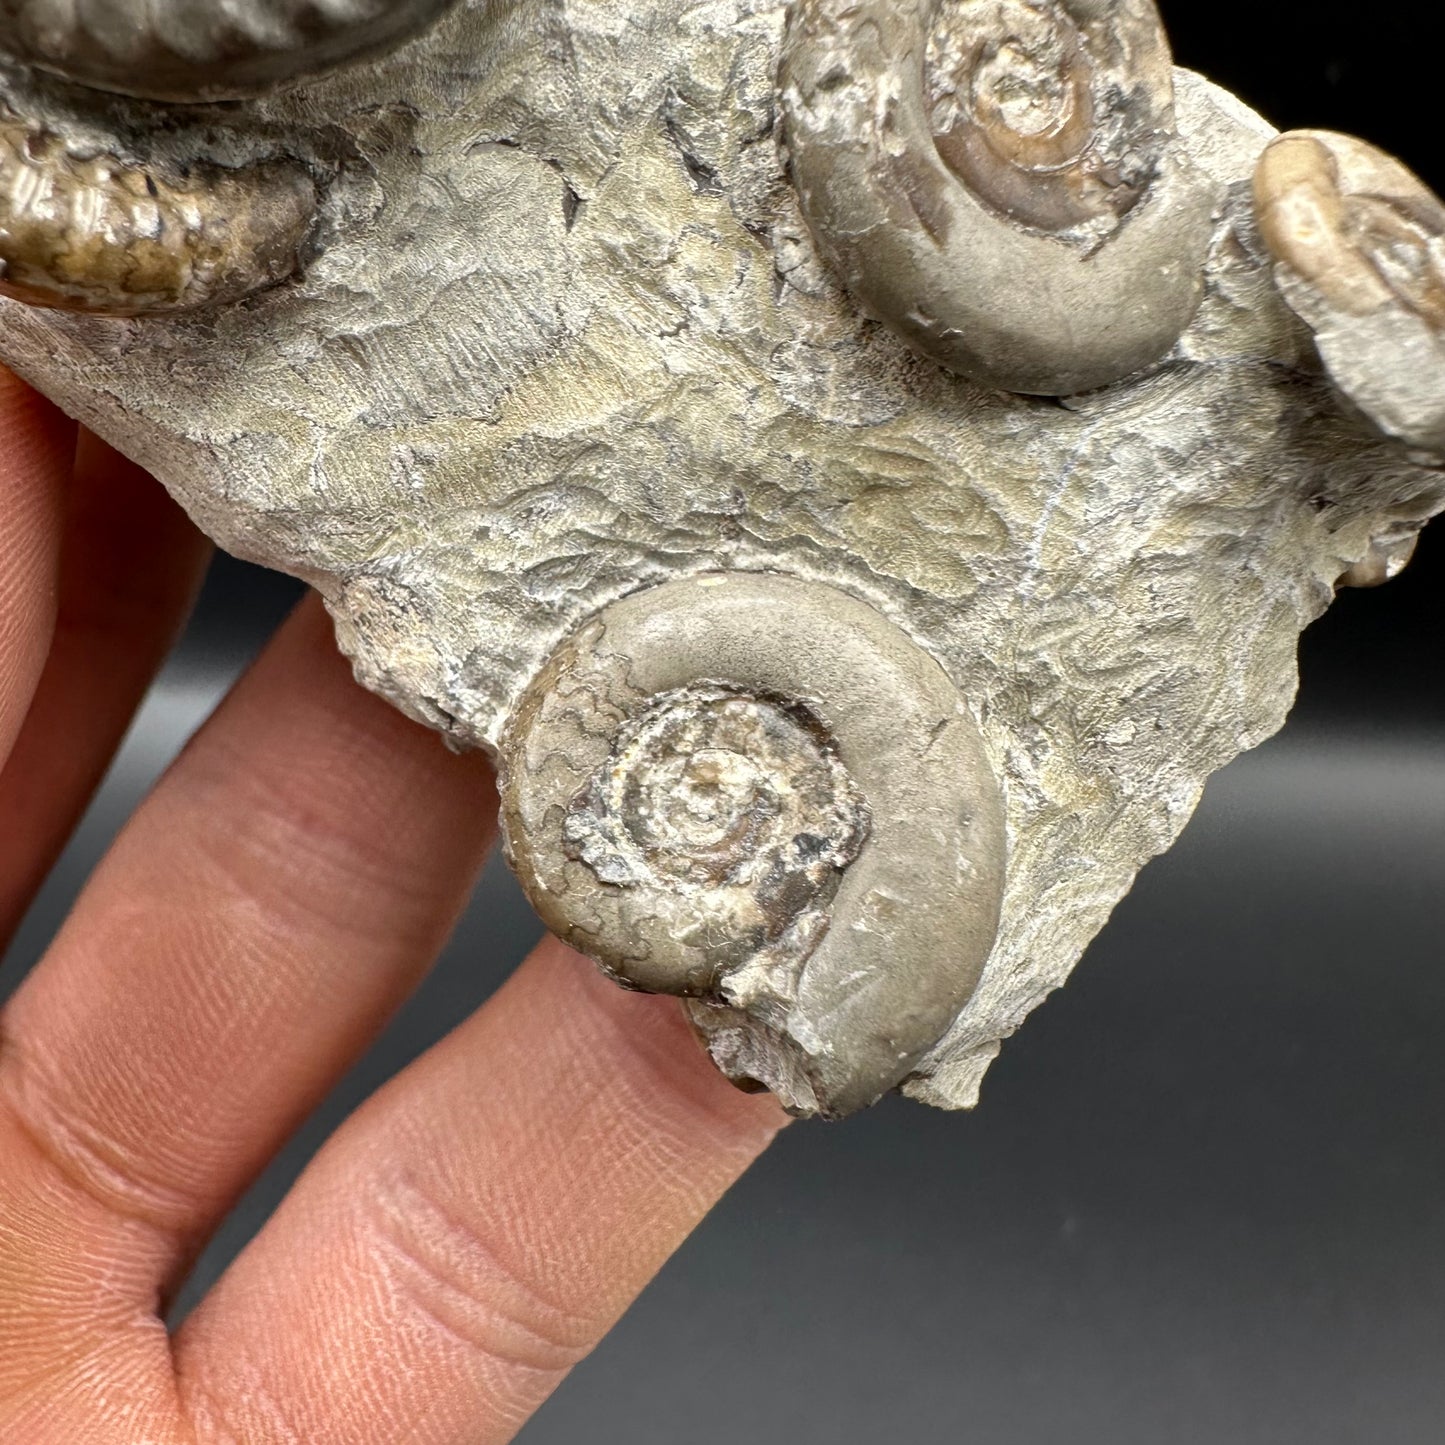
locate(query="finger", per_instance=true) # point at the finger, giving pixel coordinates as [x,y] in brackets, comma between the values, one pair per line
[37,444]
[253,927]
[130,564]
[475,1229]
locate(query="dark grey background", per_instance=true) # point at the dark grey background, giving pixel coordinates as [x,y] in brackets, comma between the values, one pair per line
[1204,1198]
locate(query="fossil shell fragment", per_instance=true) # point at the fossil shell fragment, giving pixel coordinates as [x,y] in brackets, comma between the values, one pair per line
[92,232]
[1386,559]
[997,180]
[1359,248]
[800,821]
[203,50]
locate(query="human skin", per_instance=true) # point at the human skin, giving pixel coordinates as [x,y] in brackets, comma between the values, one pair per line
[476,1227]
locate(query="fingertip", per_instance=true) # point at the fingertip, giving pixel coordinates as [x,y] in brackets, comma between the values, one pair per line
[650,1038]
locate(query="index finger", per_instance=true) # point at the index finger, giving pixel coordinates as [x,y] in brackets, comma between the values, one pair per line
[477,1227]
[37,446]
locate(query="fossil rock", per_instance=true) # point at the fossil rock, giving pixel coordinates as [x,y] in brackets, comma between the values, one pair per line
[562,337]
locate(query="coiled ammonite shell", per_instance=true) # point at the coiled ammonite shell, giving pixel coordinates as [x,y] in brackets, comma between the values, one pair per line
[752,839]
[1359,250]
[738,798]
[1000,180]
[857,465]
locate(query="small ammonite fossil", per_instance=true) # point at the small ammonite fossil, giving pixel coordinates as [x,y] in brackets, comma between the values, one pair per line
[857,465]
[1000,180]
[1359,250]
[95,229]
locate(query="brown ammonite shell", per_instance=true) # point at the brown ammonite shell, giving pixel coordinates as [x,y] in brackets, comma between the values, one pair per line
[1358,243]
[82,230]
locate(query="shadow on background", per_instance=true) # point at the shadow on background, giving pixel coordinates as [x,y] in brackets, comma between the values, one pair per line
[1204,1198]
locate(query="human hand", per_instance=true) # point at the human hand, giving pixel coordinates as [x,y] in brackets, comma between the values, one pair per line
[476,1227]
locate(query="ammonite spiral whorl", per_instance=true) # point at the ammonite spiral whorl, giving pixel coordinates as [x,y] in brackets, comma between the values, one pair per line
[743,797]
[760,794]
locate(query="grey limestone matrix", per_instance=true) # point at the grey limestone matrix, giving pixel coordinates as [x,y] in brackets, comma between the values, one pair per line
[858,465]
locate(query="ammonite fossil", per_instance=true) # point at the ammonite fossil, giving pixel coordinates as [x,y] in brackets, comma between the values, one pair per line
[857,466]
[204,50]
[1001,180]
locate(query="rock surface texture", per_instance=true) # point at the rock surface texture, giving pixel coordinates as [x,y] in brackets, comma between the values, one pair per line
[560,331]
